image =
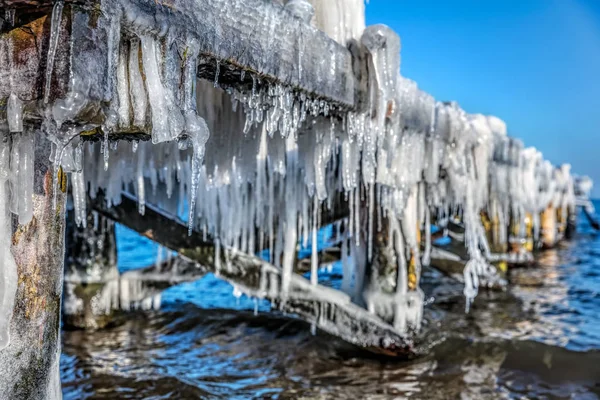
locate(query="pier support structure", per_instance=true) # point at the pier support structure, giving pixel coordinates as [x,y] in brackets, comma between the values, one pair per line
[29,364]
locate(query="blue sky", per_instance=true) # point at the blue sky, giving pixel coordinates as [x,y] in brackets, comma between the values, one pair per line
[533,63]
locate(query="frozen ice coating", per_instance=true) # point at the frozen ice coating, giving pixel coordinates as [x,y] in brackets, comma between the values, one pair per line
[258,157]
[301,9]
[8,267]
[342,20]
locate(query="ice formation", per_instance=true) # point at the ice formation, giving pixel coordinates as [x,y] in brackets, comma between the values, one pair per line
[257,167]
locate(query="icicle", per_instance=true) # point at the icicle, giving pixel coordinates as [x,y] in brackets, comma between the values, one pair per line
[14,114]
[106,150]
[52,46]
[314,258]
[167,121]
[371,217]
[217,72]
[8,266]
[137,93]
[25,178]
[79,197]
[123,88]
[140,188]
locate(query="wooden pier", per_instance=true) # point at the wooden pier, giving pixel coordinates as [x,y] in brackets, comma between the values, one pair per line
[262,123]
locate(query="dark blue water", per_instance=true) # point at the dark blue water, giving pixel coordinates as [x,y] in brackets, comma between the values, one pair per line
[538,340]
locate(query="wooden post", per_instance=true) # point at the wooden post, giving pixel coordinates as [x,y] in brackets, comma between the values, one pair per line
[29,365]
[549,230]
[521,238]
[91,274]
[492,230]
[571,222]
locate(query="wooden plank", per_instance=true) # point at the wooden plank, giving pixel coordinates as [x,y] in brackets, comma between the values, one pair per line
[23,59]
[328,309]
[31,4]
[239,39]
[261,37]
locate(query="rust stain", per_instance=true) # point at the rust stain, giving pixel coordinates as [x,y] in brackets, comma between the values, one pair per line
[62,180]
[391,106]
[30,279]
[166,3]
[412,272]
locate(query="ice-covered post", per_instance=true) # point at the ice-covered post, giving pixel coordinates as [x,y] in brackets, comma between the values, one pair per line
[392,238]
[32,204]
[91,274]
[548,227]
[31,266]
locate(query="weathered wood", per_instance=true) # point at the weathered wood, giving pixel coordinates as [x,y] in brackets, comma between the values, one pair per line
[330,310]
[235,37]
[31,4]
[261,37]
[29,366]
[23,59]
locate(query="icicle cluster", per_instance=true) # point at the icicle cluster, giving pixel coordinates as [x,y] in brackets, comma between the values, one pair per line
[254,168]
[16,197]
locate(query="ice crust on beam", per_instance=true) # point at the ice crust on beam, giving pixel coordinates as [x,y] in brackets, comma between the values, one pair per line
[16,197]
[341,20]
[271,149]
[256,162]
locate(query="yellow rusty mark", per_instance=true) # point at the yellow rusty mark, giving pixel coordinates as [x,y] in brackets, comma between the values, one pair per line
[412,272]
[528,225]
[529,245]
[34,302]
[62,180]
[391,106]
[548,218]
[487,224]
[503,266]
[95,14]
[515,227]
[91,132]
[185,54]
[149,234]
[165,3]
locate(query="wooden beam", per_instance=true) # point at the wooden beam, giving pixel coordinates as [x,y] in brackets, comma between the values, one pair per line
[328,309]
[261,37]
[29,366]
[241,41]
[31,4]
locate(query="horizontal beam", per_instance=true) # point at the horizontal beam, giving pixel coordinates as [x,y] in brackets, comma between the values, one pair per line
[32,4]
[328,309]
[261,37]
[244,42]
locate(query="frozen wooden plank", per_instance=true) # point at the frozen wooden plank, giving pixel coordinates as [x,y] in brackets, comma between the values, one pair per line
[261,37]
[328,309]
[241,41]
